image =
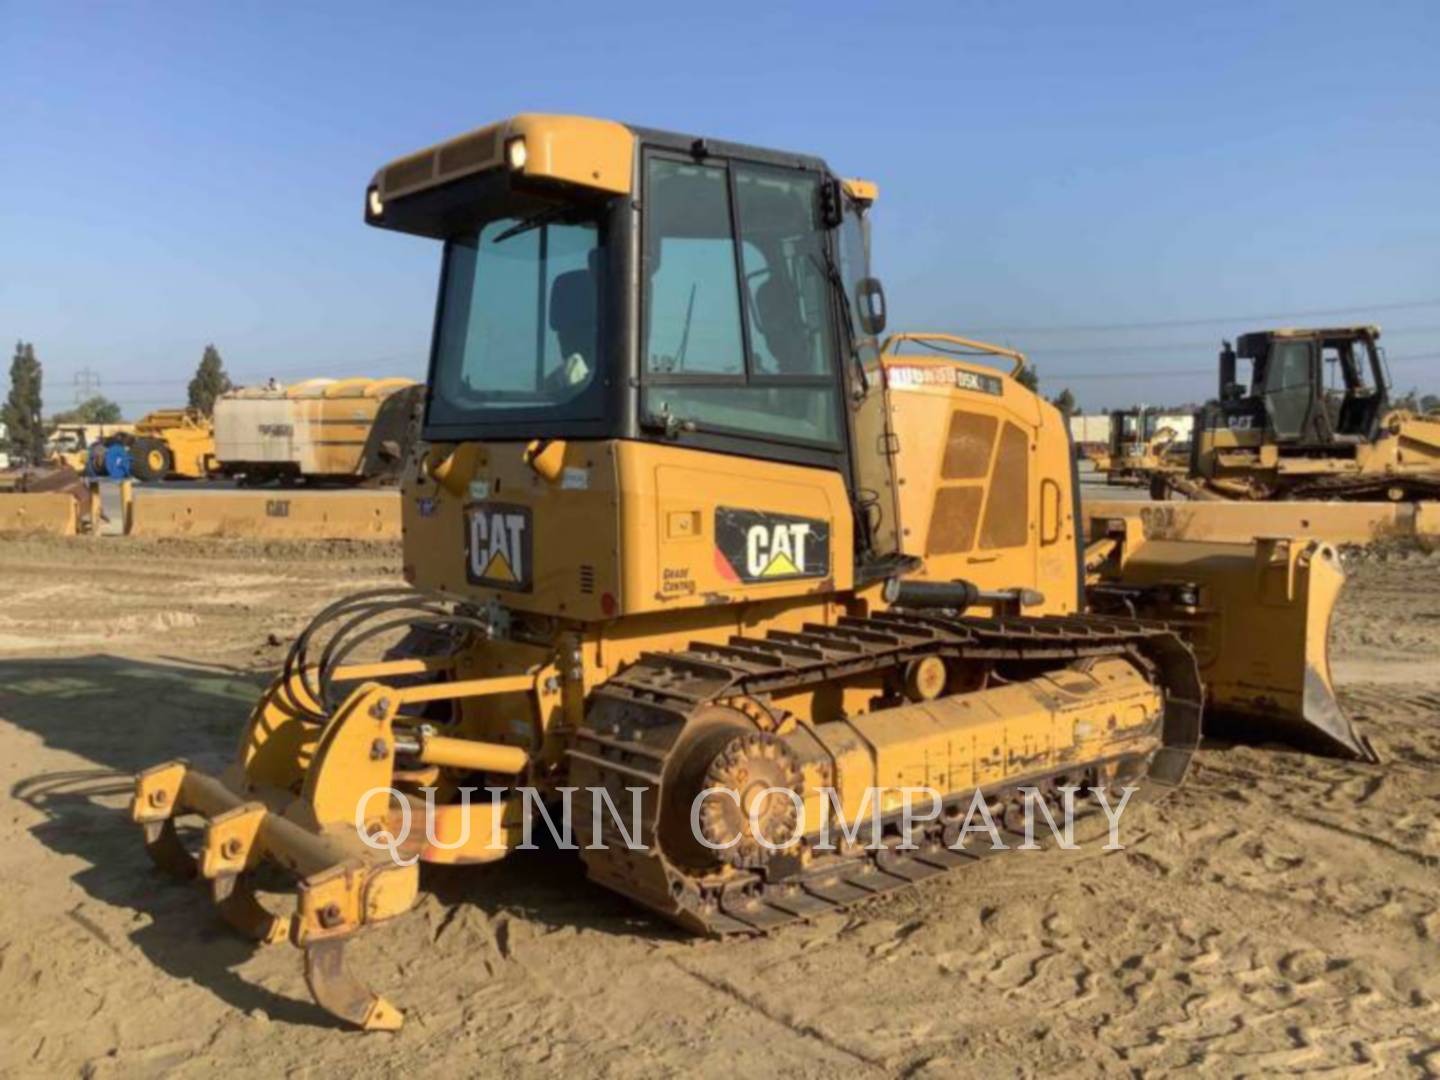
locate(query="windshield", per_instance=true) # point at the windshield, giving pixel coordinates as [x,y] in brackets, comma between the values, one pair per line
[519,322]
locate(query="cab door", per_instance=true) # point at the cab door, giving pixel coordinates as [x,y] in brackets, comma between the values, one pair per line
[1290,381]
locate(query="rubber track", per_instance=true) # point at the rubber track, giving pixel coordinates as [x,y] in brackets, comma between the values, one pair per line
[637,716]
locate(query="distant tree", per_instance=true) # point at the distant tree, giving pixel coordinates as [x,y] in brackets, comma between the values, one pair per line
[1065,402]
[1430,403]
[210,381]
[96,410]
[21,412]
[1029,378]
[1409,401]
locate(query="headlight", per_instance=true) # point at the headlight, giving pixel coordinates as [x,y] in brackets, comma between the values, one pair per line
[515,153]
[376,204]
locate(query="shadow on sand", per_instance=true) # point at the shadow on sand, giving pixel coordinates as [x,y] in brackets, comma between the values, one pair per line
[121,715]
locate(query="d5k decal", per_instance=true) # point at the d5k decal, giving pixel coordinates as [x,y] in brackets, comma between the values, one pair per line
[498,545]
[751,546]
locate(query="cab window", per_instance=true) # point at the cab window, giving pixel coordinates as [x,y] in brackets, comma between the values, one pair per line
[738,336]
[1289,367]
[518,334]
[693,325]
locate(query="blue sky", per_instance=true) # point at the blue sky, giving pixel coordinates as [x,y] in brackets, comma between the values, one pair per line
[1050,175]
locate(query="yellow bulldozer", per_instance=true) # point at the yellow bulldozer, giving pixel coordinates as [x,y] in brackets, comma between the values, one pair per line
[691,552]
[1145,446]
[1312,421]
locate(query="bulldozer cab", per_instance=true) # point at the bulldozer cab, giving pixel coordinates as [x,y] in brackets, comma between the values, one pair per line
[1127,432]
[1141,432]
[602,282]
[1308,387]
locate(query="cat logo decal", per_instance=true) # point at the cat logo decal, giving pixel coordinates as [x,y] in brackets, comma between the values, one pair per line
[754,547]
[498,545]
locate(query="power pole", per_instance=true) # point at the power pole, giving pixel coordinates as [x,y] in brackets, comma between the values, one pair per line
[87,385]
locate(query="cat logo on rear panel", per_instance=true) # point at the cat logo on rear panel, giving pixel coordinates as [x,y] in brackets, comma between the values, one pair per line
[756,547]
[498,546]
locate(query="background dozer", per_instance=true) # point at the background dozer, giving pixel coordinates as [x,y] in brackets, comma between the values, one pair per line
[1313,421]
[689,549]
[1143,445]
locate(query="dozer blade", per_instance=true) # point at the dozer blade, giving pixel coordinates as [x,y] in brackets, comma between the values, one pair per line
[1258,617]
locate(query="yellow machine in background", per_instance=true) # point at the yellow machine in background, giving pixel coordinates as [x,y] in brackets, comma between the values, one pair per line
[687,541]
[178,443]
[336,430]
[1313,421]
[68,443]
[1145,445]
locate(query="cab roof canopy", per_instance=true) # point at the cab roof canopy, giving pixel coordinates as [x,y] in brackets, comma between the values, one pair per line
[536,154]
[1257,342]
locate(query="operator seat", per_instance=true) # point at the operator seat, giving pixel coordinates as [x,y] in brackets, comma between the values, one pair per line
[575,319]
[778,315]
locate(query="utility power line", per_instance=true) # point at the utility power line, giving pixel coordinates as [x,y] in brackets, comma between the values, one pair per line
[1162,373]
[246,377]
[1079,328]
[1186,346]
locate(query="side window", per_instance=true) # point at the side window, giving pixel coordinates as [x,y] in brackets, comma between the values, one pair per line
[1289,366]
[693,301]
[1332,368]
[1360,371]
[784,277]
[738,333]
[854,268]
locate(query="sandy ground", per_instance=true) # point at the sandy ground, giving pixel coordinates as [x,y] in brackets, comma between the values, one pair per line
[1280,914]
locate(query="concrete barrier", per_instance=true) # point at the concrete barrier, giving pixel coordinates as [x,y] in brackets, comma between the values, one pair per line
[49,513]
[276,514]
[1241,522]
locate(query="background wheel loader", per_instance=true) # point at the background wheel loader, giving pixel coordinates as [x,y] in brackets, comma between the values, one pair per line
[162,444]
[691,552]
[1313,421]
